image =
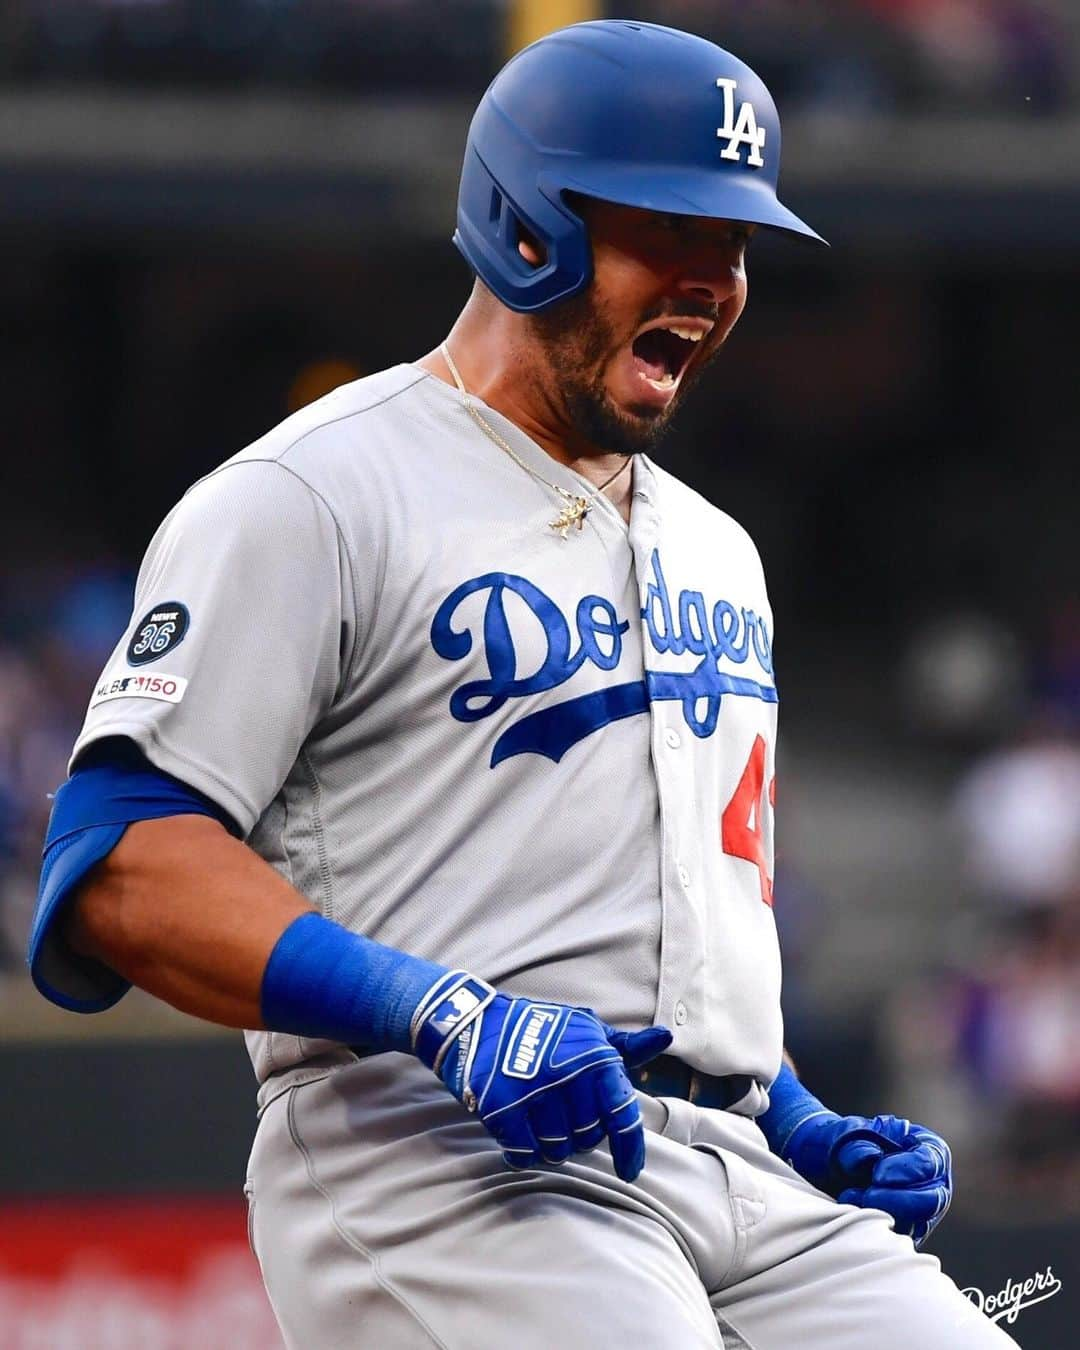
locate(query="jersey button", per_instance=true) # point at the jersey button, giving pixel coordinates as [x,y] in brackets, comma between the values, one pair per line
[684,875]
[681,1015]
[672,738]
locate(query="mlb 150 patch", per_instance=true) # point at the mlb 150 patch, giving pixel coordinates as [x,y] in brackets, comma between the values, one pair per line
[165,688]
[160,630]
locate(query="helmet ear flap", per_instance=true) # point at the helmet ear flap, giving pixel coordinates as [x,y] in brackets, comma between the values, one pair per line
[491,225]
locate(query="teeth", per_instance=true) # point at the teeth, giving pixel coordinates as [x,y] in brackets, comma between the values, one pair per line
[688,334]
[666,381]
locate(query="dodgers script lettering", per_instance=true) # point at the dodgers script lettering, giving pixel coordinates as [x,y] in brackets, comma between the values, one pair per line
[688,623]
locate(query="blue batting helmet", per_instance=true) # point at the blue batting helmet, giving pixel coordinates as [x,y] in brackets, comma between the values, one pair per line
[627,112]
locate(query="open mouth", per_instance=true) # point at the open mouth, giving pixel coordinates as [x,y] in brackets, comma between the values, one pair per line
[662,353]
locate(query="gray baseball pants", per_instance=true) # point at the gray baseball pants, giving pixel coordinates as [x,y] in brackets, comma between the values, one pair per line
[384,1218]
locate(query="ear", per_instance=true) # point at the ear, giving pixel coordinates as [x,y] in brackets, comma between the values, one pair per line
[530,248]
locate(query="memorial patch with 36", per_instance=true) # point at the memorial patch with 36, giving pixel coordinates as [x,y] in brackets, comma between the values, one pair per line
[161,630]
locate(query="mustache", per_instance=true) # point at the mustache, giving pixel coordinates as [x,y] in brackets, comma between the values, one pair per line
[687,308]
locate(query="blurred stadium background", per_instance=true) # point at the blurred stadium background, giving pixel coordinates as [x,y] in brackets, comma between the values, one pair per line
[213,212]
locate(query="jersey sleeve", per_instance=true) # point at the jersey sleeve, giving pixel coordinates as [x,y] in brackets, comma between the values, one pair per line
[243,615]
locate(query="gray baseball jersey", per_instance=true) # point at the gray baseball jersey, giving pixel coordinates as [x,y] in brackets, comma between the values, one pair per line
[547,760]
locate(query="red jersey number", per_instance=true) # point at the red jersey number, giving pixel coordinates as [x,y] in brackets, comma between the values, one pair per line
[740,825]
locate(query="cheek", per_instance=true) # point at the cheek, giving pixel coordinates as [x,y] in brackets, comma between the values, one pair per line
[736,302]
[624,286]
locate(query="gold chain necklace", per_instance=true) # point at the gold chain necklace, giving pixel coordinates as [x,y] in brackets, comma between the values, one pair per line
[575,507]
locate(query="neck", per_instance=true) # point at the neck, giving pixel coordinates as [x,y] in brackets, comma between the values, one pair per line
[498,364]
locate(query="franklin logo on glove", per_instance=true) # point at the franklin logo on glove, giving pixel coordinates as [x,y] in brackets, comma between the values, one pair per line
[523,1057]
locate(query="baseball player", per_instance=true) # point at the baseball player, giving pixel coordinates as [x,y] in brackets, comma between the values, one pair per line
[439,754]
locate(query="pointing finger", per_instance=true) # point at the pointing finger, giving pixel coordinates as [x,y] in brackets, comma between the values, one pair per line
[622,1122]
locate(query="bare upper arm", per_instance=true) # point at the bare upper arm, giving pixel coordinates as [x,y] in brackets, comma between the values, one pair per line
[112,904]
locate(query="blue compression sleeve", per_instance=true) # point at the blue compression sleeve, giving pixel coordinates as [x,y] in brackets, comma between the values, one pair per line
[789,1105]
[113,786]
[325,982]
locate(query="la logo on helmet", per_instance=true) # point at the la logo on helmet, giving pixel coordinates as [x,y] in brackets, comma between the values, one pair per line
[741,131]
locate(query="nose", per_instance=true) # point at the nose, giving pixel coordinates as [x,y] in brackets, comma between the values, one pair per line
[715,284]
[714,274]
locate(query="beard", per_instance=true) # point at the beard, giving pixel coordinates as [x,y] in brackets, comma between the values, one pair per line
[580,342]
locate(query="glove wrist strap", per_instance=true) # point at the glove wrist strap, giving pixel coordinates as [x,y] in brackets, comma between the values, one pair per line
[448,1007]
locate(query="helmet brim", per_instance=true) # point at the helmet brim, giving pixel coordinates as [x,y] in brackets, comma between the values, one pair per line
[688,192]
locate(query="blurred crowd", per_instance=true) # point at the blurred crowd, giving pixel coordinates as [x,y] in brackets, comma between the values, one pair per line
[971,1017]
[1002,57]
[346,45]
[854,56]
[57,627]
[990,1031]
[1015,994]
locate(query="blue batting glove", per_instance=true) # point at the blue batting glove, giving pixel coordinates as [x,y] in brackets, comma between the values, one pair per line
[881,1163]
[546,1080]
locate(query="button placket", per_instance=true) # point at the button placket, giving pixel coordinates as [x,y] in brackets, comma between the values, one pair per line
[677,923]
